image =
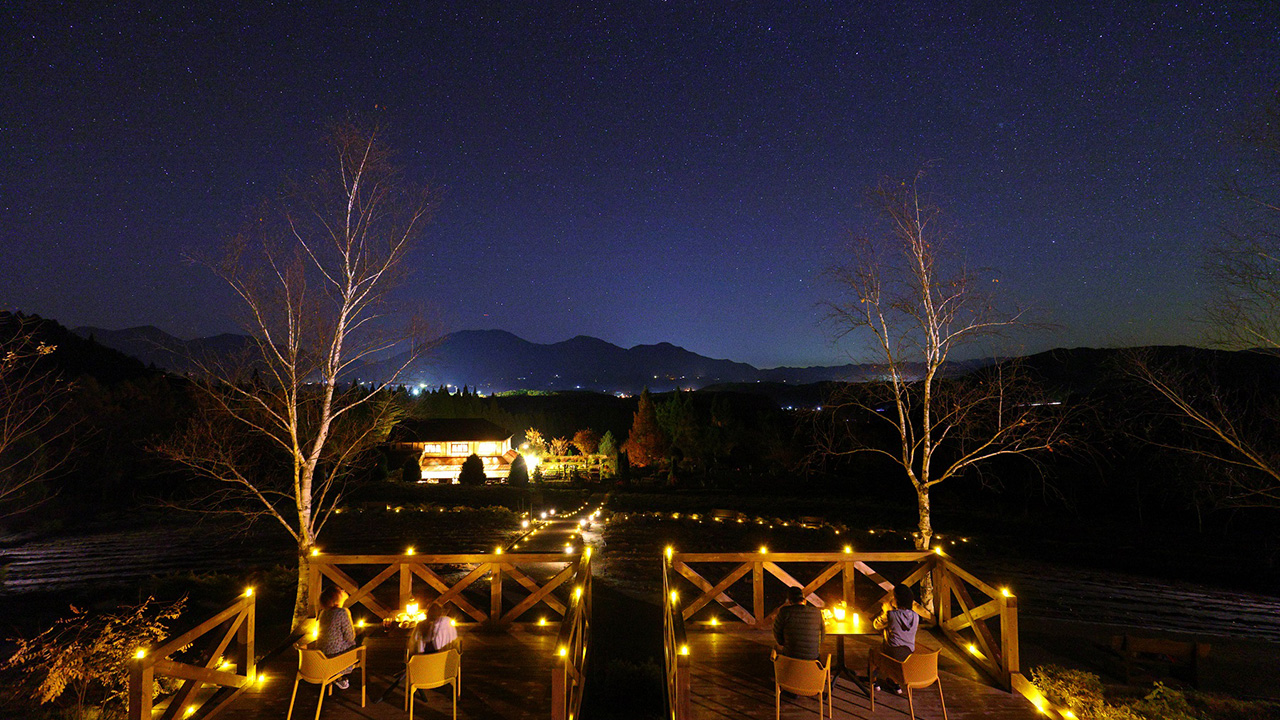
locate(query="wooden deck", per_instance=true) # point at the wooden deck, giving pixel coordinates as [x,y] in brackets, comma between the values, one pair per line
[507,675]
[732,678]
[504,675]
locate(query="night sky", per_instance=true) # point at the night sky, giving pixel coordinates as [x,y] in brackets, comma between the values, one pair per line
[637,171]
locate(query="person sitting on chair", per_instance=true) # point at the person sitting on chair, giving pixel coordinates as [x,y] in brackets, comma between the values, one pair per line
[798,627]
[899,621]
[336,633]
[432,635]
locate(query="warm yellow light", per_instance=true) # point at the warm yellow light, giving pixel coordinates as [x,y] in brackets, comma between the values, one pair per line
[715,621]
[409,551]
[248,592]
[587,552]
[577,592]
[684,649]
[497,551]
[763,550]
[360,623]
[262,678]
[670,552]
[453,623]
[848,549]
[191,710]
[838,612]
[564,651]
[226,665]
[675,595]
[542,622]
[1068,715]
[937,550]
[524,523]
[857,622]
[411,609]
[141,653]
[568,548]
[1005,592]
[315,552]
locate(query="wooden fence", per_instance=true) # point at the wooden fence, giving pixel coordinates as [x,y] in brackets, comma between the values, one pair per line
[568,679]
[849,577]
[227,663]
[405,568]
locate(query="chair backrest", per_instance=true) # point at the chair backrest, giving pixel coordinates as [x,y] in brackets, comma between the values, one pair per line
[315,667]
[920,669]
[802,677]
[434,669]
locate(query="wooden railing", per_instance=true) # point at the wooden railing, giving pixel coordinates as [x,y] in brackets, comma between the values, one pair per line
[952,610]
[405,568]
[675,646]
[234,670]
[568,675]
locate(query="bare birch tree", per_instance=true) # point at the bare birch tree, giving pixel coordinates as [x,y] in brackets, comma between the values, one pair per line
[32,399]
[279,428]
[898,296]
[1236,432]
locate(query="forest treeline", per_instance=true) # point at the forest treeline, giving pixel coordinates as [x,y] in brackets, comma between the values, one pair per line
[1131,461]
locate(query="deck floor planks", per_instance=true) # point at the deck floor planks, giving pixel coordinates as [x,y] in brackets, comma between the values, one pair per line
[505,675]
[731,677]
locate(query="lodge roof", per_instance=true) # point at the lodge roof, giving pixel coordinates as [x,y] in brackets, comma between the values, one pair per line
[416,430]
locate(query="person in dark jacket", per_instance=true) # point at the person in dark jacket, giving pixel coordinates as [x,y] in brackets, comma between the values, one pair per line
[798,627]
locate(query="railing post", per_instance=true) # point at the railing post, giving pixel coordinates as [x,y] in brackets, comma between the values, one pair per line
[313,584]
[247,662]
[757,592]
[495,593]
[141,680]
[682,688]
[941,592]
[847,575]
[1010,663]
[406,584]
[559,690]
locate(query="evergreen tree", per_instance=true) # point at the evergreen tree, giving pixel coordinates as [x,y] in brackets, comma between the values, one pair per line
[472,471]
[519,475]
[646,443]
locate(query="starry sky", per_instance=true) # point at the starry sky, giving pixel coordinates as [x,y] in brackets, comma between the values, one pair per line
[638,171]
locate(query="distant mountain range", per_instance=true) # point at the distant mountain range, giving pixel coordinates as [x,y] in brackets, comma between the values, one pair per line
[495,360]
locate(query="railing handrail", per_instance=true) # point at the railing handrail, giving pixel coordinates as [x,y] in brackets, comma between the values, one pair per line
[568,674]
[999,658]
[676,671]
[144,669]
[408,565]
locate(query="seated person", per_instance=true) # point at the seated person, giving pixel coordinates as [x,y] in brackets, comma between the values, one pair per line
[432,635]
[798,627]
[899,621]
[337,634]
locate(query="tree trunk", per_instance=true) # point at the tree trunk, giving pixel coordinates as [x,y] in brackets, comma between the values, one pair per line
[923,541]
[925,519]
[302,602]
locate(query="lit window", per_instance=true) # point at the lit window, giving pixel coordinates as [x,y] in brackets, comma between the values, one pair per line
[487,448]
[459,449]
[433,449]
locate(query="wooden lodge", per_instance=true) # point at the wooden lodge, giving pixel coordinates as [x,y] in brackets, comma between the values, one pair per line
[441,445]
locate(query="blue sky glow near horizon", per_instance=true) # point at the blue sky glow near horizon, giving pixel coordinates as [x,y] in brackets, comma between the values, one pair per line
[641,171]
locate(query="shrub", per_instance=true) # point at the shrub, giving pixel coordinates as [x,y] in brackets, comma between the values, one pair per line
[88,654]
[472,471]
[519,475]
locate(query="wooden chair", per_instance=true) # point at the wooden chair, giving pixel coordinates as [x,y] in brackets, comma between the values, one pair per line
[317,668]
[432,671]
[802,677]
[919,670]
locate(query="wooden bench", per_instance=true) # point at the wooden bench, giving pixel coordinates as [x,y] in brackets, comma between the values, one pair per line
[1155,658]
